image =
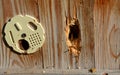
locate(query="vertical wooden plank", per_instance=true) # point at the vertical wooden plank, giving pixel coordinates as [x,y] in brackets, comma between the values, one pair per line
[114,36]
[106,26]
[65,59]
[1,20]
[59,28]
[52,19]
[87,33]
[46,18]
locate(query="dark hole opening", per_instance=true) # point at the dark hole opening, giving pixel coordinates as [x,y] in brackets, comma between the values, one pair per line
[23,35]
[74,32]
[23,44]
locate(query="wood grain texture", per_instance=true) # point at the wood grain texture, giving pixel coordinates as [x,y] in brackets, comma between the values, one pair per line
[96,18]
[106,20]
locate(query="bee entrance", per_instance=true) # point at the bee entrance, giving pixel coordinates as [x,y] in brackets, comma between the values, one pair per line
[23,44]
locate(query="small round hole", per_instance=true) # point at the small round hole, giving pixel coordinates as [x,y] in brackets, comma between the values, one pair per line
[23,35]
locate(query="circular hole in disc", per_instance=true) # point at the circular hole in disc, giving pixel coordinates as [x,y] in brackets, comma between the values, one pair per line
[23,35]
[23,44]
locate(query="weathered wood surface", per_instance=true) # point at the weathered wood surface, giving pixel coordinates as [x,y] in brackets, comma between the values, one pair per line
[97,18]
[107,34]
[34,71]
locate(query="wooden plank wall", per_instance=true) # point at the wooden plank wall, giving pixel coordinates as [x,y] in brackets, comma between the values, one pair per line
[107,33]
[97,18]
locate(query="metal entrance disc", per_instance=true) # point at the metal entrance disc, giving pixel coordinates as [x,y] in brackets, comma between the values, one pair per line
[24,34]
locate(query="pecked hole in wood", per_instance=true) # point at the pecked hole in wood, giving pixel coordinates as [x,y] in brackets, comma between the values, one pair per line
[74,32]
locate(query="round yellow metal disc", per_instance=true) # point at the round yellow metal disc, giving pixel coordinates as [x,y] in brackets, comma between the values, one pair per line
[24,34]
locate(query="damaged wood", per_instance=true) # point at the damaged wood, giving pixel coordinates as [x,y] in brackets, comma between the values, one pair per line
[73,36]
[95,18]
